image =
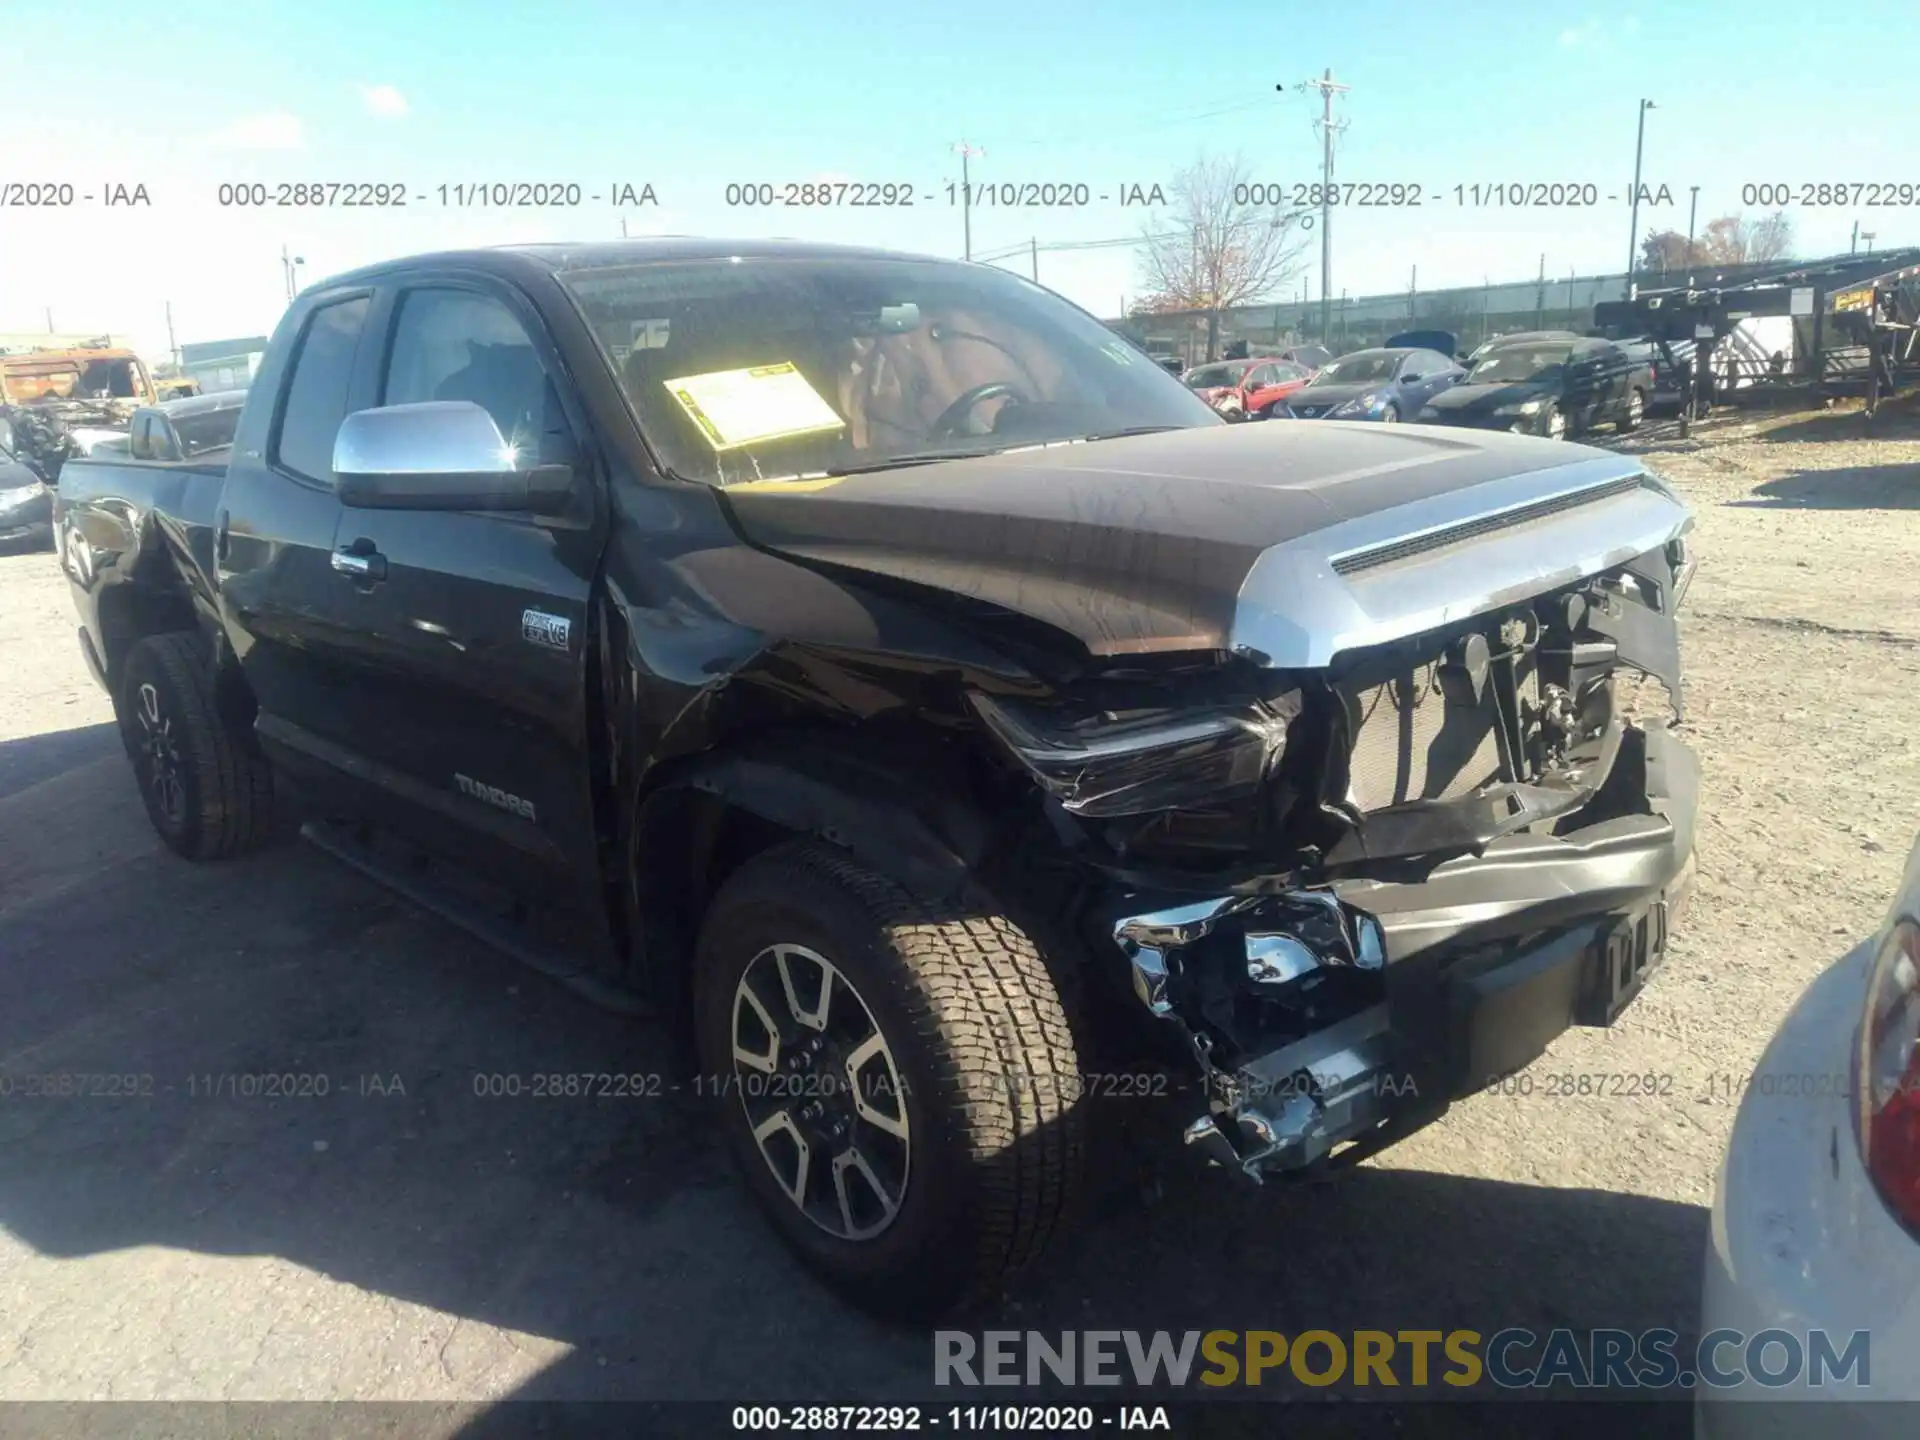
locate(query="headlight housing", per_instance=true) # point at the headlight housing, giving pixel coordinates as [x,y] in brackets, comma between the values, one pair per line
[1524,407]
[1101,764]
[1360,406]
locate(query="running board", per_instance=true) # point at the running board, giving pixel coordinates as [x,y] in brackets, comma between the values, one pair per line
[419,884]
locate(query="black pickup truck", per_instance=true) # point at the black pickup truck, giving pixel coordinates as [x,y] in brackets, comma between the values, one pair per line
[924,705]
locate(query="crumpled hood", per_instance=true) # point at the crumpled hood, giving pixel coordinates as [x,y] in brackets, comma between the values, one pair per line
[1144,543]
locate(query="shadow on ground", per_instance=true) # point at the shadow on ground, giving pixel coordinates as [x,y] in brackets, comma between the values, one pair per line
[38,758]
[1858,487]
[611,1224]
[1895,419]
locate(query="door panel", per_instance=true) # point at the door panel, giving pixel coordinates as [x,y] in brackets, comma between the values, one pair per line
[279,517]
[466,651]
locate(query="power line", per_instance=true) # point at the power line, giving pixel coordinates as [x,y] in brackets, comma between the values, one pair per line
[1053,139]
[1113,243]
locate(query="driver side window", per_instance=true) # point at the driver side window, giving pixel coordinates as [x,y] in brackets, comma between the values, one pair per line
[462,345]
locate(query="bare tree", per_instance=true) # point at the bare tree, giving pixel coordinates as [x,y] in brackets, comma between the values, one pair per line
[1218,249]
[1736,240]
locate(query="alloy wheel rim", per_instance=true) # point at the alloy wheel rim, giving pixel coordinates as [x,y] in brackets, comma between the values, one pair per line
[1556,426]
[1634,408]
[821,1092]
[161,755]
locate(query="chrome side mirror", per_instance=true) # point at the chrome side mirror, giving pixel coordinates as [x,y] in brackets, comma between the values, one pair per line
[439,455]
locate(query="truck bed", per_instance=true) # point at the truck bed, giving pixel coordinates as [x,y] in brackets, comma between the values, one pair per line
[127,525]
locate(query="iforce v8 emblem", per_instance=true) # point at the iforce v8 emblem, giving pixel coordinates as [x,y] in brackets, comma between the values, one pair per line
[537,627]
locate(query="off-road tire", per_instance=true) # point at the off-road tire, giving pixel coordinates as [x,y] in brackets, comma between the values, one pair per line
[225,785]
[986,1050]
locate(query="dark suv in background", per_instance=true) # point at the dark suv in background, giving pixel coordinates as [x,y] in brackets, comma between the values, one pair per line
[1550,385]
[1671,364]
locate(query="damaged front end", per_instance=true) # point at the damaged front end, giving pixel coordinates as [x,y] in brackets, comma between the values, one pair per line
[1360,889]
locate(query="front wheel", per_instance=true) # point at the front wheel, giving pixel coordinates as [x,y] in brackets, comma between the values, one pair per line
[1555,426]
[1390,415]
[207,791]
[897,1081]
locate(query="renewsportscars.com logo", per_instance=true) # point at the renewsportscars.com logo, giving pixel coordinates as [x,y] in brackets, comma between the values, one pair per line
[1510,1359]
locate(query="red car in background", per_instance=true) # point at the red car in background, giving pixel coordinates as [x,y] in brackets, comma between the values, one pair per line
[1246,389]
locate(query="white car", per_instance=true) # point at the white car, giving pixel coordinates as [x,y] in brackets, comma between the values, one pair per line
[1816,1217]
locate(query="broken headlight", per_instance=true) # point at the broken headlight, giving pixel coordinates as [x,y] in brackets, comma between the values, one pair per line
[1106,763]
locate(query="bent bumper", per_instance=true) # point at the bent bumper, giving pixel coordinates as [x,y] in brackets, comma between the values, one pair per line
[1439,985]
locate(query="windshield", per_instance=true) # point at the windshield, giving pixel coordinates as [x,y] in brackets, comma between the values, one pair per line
[1521,363]
[1363,366]
[1213,377]
[209,430]
[774,368]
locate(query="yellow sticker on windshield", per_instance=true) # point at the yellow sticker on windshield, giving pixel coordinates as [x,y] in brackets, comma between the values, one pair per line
[746,407]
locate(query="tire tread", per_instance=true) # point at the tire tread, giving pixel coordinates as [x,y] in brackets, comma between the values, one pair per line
[233,782]
[985,1005]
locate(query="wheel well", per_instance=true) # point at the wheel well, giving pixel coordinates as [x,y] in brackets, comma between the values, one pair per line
[695,830]
[128,616]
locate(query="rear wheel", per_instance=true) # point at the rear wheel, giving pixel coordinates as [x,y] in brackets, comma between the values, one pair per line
[897,1081]
[207,791]
[1635,412]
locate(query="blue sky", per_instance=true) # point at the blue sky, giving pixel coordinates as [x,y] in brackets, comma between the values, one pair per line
[690,98]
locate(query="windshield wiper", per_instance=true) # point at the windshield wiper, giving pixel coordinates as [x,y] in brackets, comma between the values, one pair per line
[923,457]
[1131,430]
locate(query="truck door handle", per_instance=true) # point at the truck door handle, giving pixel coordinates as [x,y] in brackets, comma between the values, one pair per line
[360,560]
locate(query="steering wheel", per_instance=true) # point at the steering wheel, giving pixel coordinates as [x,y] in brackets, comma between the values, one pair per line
[949,422]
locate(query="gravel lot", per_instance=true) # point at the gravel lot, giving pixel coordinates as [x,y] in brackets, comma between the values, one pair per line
[431,1245]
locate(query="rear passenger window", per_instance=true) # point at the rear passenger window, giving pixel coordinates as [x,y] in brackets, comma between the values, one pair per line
[317,393]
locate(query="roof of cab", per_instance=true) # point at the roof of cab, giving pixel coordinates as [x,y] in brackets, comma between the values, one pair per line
[598,254]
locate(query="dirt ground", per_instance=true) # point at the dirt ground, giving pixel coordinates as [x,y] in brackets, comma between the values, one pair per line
[429,1244]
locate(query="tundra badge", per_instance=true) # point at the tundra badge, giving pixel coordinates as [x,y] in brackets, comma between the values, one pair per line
[539,628]
[495,796]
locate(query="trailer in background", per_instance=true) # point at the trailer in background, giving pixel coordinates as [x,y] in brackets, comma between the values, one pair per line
[1849,324]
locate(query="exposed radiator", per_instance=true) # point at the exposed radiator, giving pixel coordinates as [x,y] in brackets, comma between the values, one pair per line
[1416,741]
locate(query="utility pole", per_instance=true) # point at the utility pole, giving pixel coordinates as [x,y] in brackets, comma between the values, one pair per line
[966,153]
[623,227]
[1693,208]
[1035,243]
[172,347]
[1633,223]
[1328,128]
[1867,235]
[49,319]
[1540,297]
[288,265]
[1413,291]
[1854,248]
